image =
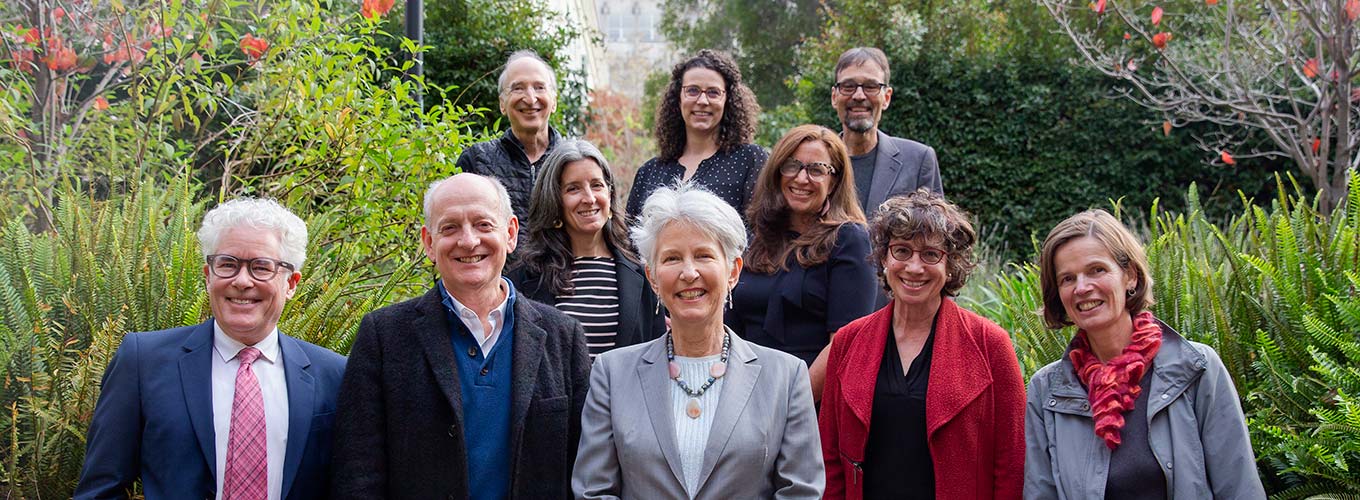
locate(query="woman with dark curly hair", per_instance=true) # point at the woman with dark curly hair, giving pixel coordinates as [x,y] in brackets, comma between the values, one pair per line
[923,399]
[576,254]
[704,126]
[807,269]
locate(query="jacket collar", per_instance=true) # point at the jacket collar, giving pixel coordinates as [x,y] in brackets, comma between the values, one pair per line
[1177,365]
[515,148]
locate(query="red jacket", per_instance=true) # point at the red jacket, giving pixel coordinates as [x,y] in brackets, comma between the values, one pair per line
[975,406]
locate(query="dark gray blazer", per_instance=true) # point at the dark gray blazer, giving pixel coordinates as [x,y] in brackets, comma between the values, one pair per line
[639,320]
[399,422]
[903,165]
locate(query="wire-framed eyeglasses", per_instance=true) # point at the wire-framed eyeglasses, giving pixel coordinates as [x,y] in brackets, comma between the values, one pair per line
[929,256]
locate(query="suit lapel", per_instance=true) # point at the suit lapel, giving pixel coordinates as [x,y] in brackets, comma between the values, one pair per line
[432,329]
[957,375]
[195,374]
[630,315]
[742,373]
[656,390]
[886,166]
[301,392]
[527,342]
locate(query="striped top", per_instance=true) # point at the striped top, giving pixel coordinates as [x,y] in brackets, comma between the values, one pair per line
[594,301]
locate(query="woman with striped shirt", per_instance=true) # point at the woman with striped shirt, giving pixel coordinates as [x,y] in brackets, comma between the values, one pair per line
[576,255]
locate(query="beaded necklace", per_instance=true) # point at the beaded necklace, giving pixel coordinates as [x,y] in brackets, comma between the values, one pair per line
[715,371]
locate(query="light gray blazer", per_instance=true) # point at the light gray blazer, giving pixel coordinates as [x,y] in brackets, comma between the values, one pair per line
[764,441]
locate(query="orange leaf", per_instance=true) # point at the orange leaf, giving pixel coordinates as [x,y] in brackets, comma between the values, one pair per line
[1227,158]
[1211,2]
[1310,68]
[1352,9]
[253,47]
[375,8]
[1127,35]
[1166,128]
[100,103]
[1098,6]
[1317,143]
[1157,15]
[1159,40]
[58,13]
[31,36]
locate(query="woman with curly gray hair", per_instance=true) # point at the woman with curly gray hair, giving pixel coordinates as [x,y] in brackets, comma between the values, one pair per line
[923,399]
[704,126]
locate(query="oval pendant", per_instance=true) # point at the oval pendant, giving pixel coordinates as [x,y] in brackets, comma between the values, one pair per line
[717,370]
[692,408]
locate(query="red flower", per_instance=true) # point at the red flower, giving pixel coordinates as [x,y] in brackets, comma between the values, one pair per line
[1352,9]
[1317,143]
[1127,35]
[1166,128]
[1310,68]
[1211,2]
[58,13]
[1098,6]
[379,8]
[31,36]
[1156,16]
[60,57]
[1227,158]
[100,103]
[254,48]
[1159,40]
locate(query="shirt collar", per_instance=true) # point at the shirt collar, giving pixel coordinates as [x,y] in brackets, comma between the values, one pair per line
[227,348]
[458,309]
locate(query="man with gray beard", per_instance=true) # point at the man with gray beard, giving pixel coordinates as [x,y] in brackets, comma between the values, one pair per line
[884,165]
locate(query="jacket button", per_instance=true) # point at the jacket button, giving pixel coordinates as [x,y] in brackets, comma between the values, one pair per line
[453,430]
[1052,402]
[472,351]
[1165,395]
[485,371]
[1168,465]
[1085,406]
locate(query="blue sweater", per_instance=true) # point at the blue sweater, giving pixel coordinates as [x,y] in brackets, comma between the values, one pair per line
[485,384]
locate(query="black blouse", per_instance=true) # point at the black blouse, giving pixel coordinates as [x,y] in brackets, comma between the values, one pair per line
[729,174]
[897,459]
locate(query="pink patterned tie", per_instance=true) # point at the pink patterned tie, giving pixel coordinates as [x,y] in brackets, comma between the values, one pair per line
[247,475]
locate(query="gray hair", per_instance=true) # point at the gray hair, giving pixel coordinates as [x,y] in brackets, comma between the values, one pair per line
[689,202]
[522,54]
[260,214]
[501,194]
[861,55]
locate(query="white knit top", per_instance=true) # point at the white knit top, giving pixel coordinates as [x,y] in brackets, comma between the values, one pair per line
[691,434]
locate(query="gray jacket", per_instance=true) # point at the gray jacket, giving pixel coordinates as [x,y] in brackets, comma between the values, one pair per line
[1195,425]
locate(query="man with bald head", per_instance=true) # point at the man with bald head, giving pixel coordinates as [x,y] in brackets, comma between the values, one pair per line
[467,391]
[528,97]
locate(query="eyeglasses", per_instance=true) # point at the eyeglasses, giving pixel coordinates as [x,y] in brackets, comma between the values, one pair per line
[262,269]
[816,170]
[693,92]
[903,253]
[848,88]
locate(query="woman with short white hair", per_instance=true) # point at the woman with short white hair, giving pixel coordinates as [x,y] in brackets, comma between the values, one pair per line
[733,419]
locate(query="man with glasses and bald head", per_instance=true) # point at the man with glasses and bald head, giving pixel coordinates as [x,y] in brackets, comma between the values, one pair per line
[228,408]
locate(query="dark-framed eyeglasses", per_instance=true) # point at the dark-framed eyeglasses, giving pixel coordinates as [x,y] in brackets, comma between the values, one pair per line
[692,92]
[929,256]
[816,170]
[848,88]
[261,269]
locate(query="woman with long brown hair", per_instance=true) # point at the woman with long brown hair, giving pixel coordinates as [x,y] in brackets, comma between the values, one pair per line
[807,269]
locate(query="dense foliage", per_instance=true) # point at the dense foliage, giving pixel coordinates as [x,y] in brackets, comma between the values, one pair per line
[1276,291]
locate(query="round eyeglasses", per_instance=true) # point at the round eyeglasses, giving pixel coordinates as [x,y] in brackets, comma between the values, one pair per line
[816,170]
[848,88]
[692,92]
[261,269]
[903,253]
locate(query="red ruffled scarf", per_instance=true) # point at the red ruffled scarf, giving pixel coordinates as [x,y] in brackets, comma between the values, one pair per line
[1113,387]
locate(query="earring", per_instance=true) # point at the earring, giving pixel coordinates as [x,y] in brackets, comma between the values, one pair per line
[729,298]
[658,306]
[557,224]
[1131,292]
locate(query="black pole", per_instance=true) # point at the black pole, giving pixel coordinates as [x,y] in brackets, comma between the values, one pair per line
[415,30]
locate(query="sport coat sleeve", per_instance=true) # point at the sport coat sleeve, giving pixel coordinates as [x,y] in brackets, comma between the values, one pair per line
[580,385]
[113,444]
[828,422]
[853,289]
[359,461]
[798,472]
[597,474]
[1008,387]
[928,175]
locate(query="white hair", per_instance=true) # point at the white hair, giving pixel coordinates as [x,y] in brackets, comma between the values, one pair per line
[689,202]
[256,213]
[523,54]
[501,194]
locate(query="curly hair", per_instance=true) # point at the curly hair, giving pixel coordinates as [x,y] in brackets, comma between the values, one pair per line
[924,214]
[547,249]
[1123,247]
[770,215]
[740,112]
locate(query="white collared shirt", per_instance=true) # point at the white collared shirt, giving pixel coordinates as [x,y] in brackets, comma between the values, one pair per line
[485,340]
[268,370]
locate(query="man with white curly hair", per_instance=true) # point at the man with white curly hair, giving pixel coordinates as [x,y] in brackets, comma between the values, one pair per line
[229,408]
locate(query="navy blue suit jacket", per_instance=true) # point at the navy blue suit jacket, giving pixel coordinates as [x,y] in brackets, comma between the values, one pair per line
[154,418]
